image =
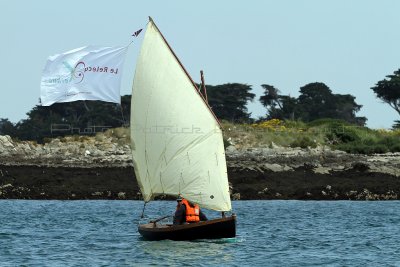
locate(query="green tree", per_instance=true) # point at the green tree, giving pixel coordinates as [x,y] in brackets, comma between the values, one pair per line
[7,127]
[396,124]
[388,90]
[228,101]
[346,109]
[278,106]
[271,97]
[316,101]
[79,117]
[289,108]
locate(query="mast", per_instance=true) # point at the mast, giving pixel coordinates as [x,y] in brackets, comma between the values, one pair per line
[203,86]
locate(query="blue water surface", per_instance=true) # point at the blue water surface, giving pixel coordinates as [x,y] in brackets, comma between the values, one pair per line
[269,233]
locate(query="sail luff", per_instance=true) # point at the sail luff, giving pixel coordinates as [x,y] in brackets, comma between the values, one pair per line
[187,73]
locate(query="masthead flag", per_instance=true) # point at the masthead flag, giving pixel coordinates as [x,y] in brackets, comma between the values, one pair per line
[86,73]
[136,33]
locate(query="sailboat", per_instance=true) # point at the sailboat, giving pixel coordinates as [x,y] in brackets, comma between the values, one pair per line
[177,144]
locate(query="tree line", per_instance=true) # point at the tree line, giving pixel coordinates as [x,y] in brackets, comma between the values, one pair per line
[228,102]
[61,119]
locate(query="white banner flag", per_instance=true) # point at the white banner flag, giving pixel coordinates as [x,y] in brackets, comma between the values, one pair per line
[86,73]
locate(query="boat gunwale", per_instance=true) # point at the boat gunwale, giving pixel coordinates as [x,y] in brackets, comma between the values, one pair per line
[153,227]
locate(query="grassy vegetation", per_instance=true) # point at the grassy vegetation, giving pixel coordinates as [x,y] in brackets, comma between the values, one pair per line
[334,133]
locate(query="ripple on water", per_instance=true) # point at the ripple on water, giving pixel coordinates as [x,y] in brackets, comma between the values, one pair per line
[270,233]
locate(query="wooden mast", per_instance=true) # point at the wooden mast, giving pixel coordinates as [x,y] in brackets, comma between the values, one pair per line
[203,86]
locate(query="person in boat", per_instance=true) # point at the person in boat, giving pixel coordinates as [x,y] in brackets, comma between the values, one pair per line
[187,212]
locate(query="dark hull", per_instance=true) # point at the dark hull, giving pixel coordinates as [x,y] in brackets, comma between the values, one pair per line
[212,229]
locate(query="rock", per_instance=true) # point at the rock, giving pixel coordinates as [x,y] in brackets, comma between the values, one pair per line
[264,191]
[253,163]
[55,142]
[328,187]
[231,149]
[273,167]
[351,193]
[6,186]
[386,169]
[6,141]
[236,196]
[322,170]
[287,168]
[360,166]
[121,195]
[365,195]
[274,146]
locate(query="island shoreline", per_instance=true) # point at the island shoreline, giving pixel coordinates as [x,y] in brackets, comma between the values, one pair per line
[101,167]
[302,183]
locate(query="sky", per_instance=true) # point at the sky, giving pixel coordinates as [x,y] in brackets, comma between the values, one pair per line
[348,45]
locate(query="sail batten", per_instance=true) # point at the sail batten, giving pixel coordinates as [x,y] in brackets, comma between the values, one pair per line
[174,134]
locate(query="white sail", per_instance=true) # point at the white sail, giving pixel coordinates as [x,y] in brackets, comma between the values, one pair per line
[177,143]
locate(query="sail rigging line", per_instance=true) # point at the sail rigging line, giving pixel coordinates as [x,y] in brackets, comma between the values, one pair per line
[165,159]
[148,179]
[186,72]
[187,154]
[142,216]
[145,139]
[179,185]
[138,34]
[161,183]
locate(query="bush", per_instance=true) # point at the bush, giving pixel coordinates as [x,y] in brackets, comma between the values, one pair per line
[364,148]
[336,133]
[303,142]
[342,133]
[395,148]
[328,122]
[47,140]
[380,149]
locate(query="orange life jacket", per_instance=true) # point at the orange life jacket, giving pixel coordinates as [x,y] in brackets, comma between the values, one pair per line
[192,213]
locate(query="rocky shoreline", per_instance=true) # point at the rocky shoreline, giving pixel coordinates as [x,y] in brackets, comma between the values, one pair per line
[100,167]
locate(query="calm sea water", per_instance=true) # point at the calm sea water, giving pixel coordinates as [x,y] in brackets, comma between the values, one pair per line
[270,233]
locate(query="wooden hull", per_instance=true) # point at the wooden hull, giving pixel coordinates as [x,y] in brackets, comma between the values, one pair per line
[212,229]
